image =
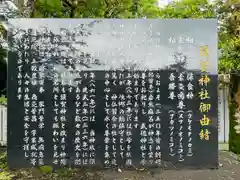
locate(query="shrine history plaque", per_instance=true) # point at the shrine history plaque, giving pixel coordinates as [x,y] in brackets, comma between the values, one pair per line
[112,93]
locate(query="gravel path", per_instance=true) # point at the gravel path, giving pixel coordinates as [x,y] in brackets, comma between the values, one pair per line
[229,170]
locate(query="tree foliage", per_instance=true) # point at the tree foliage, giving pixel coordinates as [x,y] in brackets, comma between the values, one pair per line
[229,43]
[96,8]
[228,17]
[188,9]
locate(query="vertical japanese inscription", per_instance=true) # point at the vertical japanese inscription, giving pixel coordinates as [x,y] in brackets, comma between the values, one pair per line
[78,124]
[41,110]
[107,120]
[182,118]
[63,125]
[172,114]
[113,111]
[151,109]
[84,136]
[31,83]
[59,125]
[122,116]
[143,125]
[150,117]
[204,94]
[181,108]
[56,119]
[128,113]
[23,94]
[157,120]
[189,96]
[85,121]
[92,118]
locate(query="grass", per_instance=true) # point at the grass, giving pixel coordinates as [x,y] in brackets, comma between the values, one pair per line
[44,172]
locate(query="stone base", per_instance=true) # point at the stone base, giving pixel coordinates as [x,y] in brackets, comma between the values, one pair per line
[223,146]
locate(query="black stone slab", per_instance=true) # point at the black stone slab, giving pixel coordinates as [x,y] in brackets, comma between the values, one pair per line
[30,60]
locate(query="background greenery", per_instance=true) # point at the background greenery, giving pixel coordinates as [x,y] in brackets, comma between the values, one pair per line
[227,13]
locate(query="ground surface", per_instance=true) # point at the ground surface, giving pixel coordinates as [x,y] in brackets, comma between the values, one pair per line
[229,170]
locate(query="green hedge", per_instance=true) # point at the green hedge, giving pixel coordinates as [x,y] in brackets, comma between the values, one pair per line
[234,138]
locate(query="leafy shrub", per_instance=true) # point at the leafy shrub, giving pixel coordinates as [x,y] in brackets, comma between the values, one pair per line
[3,100]
[234,138]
